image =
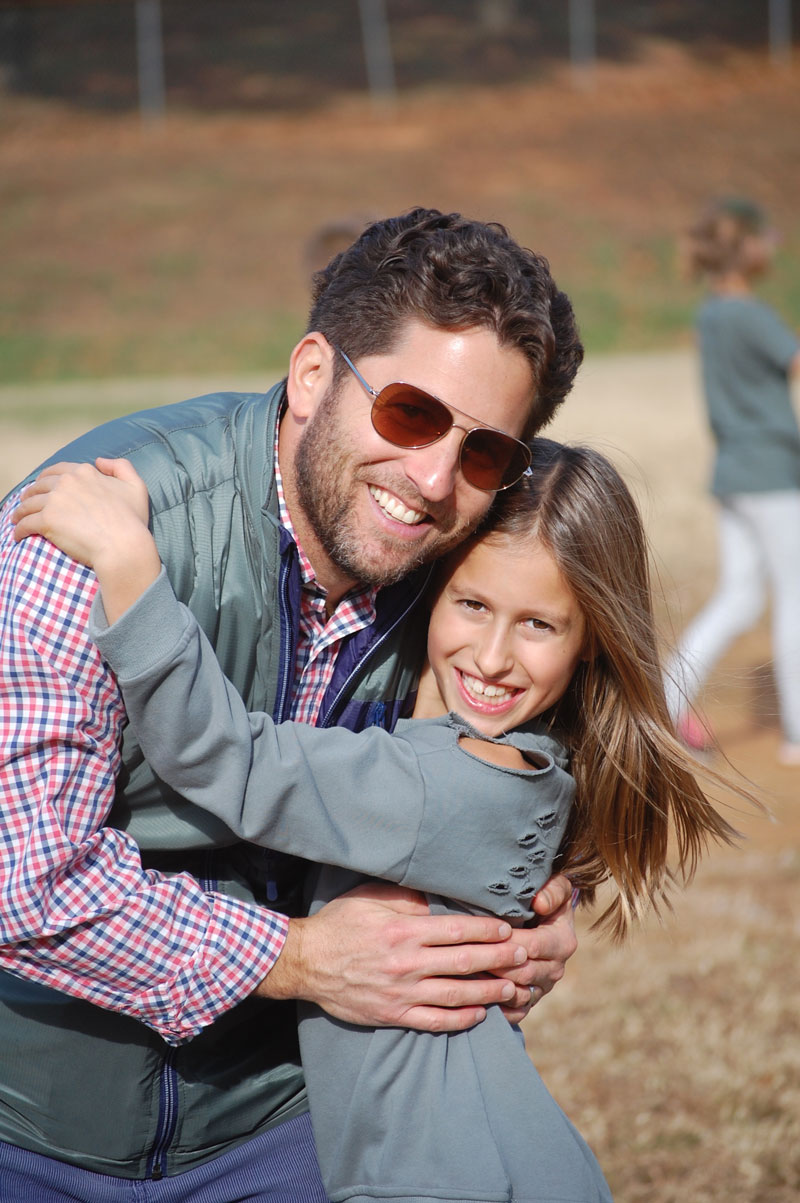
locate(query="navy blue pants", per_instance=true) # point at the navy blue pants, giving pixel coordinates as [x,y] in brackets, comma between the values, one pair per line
[279,1166]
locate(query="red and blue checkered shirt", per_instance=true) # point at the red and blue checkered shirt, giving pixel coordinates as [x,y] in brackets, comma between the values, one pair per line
[320,637]
[78,912]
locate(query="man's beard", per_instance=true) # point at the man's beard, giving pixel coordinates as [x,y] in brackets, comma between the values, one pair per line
[328,502]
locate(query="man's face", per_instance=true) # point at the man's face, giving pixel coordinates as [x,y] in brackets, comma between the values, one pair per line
[376,511]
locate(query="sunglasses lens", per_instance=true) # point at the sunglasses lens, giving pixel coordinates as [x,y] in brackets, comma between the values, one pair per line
[491,460]
[407,417]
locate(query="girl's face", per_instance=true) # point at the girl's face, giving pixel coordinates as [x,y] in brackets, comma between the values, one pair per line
[506,634]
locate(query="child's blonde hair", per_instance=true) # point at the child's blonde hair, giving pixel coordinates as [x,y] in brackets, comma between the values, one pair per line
[637,785]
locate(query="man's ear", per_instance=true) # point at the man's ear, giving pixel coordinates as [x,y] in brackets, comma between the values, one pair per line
[310,374]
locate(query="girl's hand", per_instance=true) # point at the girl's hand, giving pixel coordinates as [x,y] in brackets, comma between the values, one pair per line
[98,516]
[88,512]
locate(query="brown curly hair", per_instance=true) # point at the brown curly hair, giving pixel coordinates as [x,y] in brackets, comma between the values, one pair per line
[452,273]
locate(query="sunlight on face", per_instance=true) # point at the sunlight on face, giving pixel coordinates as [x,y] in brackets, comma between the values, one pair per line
[506,634]
[375,510]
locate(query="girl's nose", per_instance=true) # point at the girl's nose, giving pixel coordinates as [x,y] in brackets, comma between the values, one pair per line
[493,655]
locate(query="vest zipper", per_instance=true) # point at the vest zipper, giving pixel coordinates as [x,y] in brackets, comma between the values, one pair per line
[331,715]
[286,645]
[168,1079]
[283,695]
[167,1116]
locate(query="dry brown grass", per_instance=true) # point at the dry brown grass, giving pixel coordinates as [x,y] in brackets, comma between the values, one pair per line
[184,249]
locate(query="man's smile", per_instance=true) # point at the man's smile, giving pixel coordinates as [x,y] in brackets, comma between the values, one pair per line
[394,508]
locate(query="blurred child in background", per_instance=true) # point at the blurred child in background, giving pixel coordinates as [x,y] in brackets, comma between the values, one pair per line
[748,358]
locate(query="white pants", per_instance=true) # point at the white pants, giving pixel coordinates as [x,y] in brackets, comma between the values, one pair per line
[759,547]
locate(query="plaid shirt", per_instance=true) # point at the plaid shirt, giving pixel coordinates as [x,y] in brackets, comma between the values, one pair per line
[320,637]
[78,912]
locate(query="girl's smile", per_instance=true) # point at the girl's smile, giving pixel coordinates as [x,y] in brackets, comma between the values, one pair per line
[491,698]
[506,633]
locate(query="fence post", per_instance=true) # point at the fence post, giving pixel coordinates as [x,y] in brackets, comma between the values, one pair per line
[780,32]
[150,59]
[582,48]
[378,50]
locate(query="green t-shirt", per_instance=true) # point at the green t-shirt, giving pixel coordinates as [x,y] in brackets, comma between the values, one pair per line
[746,351]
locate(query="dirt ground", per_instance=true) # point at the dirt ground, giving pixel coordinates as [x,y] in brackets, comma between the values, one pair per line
[678,1055]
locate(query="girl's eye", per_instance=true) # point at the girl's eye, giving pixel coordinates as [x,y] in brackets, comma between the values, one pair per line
[538,624]
[470,603]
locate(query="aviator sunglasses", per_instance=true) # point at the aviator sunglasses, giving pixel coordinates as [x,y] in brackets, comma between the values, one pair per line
[408,417]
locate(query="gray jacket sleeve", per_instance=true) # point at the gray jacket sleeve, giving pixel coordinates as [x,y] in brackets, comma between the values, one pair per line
[412,807]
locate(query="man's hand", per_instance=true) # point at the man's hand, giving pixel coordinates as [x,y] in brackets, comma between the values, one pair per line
[378,958]
[549,946]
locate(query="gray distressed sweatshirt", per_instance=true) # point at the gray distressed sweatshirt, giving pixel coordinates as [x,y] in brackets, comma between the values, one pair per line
[398,1115]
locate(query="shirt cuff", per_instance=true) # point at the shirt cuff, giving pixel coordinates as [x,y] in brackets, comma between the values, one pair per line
[240,947]
[157,611]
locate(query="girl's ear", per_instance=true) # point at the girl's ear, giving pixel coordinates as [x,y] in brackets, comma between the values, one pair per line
[310,375]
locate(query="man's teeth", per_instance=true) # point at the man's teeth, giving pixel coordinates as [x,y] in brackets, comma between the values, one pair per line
[482,689]
[395,508]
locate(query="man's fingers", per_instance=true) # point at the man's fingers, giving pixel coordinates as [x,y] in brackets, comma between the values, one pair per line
[465,960]
[436,1019]
[520,1007]
[467,930]
[442,1016]
[541,974]
[457,993]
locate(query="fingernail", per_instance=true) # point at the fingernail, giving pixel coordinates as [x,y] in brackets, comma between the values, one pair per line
[508,991]
[520,955]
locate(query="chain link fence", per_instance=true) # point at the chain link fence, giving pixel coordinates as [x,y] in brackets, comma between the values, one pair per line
[268,55]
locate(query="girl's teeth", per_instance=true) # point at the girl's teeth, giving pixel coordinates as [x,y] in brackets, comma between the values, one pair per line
[484,690]
[395,508]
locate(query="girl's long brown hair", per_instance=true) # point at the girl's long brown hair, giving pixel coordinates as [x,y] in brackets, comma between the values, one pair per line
[637,787]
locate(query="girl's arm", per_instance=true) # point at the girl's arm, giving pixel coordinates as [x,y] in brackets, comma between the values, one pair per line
[413,807]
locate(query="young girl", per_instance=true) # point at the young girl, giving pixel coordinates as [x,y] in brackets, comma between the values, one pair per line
[748,358]
[544,615]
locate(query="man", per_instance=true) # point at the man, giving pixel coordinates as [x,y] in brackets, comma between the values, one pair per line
[151,1046]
